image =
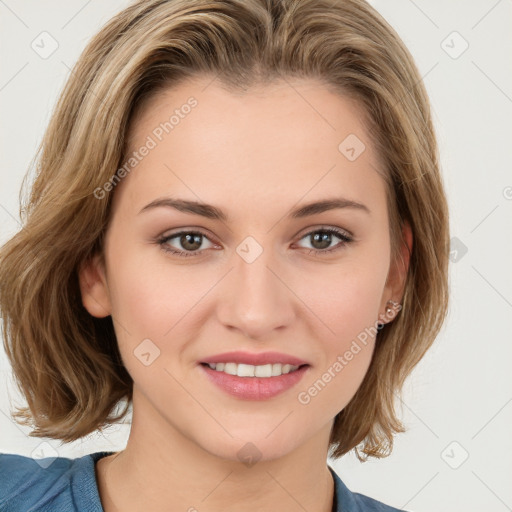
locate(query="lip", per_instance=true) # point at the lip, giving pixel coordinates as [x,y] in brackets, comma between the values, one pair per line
[254,359]
[254,388]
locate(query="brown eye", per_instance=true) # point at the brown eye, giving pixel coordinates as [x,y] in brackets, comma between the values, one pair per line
[321,240]
[187,243]
[190,241]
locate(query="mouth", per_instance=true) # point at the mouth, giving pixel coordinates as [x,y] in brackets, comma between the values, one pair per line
[264,371]
[253,382]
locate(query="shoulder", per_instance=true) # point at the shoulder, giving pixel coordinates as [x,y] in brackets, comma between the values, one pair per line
[348,501]
[49,484]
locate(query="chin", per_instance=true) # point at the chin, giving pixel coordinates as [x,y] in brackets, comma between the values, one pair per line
[250,449]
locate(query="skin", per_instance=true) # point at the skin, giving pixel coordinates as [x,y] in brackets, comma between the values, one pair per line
[256,156]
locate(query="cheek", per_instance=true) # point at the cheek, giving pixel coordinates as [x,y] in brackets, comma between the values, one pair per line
[149,294]
[136,304]
[347,353]
[348,308]
[345,299]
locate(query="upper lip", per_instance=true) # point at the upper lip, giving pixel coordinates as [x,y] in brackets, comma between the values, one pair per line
[255,359]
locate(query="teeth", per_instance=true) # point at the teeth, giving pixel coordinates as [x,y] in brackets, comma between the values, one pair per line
[229,368]
[248,370]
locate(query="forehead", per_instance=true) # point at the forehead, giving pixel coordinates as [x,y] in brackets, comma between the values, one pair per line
[277,142]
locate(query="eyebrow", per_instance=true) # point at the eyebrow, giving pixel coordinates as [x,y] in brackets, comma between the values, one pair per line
[212,212]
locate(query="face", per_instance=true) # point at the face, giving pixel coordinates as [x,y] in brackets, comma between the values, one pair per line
[255,271]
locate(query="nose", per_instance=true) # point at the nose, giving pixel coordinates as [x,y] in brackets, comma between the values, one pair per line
[256,298]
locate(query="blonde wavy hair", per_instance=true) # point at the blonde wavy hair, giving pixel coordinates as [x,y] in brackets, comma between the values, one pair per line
[65,361]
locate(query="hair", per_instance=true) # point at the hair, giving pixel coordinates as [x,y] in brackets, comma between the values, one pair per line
[65,361]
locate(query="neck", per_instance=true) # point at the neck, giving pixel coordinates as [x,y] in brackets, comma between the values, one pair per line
[163,469]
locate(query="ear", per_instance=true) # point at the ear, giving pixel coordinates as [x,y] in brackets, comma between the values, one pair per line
[395,284]
[93,287]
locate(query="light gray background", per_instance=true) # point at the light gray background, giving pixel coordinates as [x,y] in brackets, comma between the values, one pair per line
[457,403]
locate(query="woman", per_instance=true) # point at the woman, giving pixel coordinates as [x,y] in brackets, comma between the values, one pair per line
[239,228]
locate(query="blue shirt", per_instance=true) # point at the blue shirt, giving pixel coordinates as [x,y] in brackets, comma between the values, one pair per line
[67,485]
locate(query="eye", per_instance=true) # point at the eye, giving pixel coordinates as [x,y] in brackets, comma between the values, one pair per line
[322,238]
[190,241]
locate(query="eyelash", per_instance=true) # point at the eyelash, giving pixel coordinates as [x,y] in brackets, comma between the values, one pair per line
[346,239]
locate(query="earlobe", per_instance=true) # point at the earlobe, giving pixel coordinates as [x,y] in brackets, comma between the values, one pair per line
[93,287]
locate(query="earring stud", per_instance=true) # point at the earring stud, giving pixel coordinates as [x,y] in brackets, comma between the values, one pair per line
[394,304]
[389,310]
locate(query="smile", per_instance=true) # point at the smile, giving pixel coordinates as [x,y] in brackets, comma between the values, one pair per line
[249,370]
[249,382]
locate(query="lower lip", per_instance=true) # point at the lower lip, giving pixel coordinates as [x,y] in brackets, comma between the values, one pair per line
[254,388]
